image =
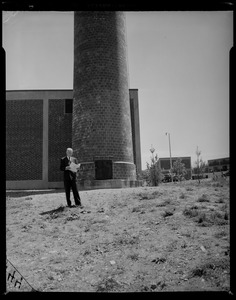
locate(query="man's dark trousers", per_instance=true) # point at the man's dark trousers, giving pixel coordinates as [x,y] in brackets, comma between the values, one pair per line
[70,181]
[71,184]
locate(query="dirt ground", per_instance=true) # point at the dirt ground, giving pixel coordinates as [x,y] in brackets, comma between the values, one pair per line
[174,237]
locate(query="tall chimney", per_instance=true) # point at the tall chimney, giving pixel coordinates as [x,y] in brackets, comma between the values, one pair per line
[101,127]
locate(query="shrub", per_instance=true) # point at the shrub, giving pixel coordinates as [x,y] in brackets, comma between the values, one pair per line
[203,198]
[136,209]
[164,203]
[179,169]
[218,218]
[154,174]
[191,211]
[199,271]
[206,218]
[220,234]
[108,285]
[189,189]
[148,196]
[133,256]
[225,207]
[143,196]
[167,213]
[202,218]
[217,184]
[221,200]
[226,216]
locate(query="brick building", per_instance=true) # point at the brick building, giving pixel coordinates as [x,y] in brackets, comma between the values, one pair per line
[165,165]
[38,131]
[219,164]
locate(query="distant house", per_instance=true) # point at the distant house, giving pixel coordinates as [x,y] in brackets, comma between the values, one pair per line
[219,164]
[164,163]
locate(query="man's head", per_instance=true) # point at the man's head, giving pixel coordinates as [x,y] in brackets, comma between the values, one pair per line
[69,152]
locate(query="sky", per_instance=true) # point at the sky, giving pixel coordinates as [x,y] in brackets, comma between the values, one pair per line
[178,61]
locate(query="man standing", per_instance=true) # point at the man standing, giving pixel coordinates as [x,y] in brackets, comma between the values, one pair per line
[70,178]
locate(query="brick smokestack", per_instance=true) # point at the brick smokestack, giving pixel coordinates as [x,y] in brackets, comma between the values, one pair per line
[101,127]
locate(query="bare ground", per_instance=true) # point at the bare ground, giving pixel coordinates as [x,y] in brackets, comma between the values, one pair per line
[174,237]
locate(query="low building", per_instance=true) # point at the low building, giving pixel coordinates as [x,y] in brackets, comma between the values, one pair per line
[219,164]
[164,163]
[38,131]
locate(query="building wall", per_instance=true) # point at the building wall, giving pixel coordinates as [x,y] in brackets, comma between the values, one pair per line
[24,139]
[165,162]
[38,131]
[37,134]
[165,165]
[219,164]
[123,170]
[59,136]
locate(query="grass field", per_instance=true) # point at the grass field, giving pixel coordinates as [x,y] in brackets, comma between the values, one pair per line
[174,237]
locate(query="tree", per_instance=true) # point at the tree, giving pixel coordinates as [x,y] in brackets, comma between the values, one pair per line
[203,167]
[154,174]
[144,175]
[200,165]
[179,169]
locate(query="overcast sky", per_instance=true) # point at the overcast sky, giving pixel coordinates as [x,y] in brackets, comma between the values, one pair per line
[179,62]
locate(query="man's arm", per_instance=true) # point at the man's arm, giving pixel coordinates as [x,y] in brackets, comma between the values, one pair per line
[62,165]
[76,161]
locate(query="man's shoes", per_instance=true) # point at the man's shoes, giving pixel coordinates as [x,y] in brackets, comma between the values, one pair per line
[79,205]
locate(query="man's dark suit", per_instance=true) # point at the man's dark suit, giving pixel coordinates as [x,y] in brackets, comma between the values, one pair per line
[70,180]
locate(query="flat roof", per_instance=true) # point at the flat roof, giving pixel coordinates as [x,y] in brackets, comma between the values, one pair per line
[41,90]
[175,157]
[218,158]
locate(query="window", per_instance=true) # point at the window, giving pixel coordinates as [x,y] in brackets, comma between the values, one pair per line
[68,106]
[103,169]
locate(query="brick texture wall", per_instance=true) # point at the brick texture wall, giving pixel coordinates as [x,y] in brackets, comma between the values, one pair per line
[24,139]
[122,170]
[86,172]
[59,137]
[101,113]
